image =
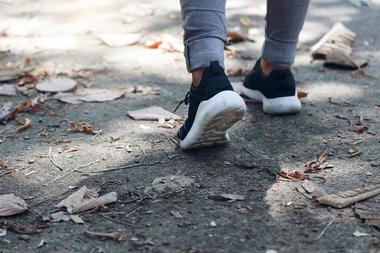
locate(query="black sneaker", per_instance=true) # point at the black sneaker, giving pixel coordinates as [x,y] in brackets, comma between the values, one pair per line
[214,108]
[277,91]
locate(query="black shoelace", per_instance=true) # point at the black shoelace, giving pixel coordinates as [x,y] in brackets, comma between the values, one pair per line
[186,101]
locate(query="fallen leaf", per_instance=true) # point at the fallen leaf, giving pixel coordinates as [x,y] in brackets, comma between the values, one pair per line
[21,228]
[226,197]
[8,90]
[7,75]
[316,165]
[169,184]
[362,128]
[360,234]
[153,43]
[234,37]
[6,111]
[119,40]
[302,94]
[24,124]
[246,21]
[11,205]
[153,113]
[27,79]
[116,236]
[73,198]
[89,95]
[82,127]
[294,175]
[56,84]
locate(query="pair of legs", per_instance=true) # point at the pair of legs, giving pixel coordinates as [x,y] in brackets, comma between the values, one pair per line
[204,22]
[214,106]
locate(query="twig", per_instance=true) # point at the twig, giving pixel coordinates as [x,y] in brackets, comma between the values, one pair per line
[119,222]
[116,236]
[53,160]
[5,173]
[325,229]
[71,171]
[143,152]
[128,167]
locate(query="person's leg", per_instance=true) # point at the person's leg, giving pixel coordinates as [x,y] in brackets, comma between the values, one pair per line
[204,23]
[213,106]
[271,80]
[285,19]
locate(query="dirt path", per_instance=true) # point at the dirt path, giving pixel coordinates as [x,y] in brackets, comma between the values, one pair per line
[273,215]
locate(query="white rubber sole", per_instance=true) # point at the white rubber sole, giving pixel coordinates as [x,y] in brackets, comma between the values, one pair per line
[283,105]
[213,119]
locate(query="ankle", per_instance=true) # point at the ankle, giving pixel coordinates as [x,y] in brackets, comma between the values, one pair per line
[267,67]
[197,75]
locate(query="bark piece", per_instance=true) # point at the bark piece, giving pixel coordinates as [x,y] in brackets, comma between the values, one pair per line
[344,199]
[11,205]
[89,204]
[369,211]
[335,48]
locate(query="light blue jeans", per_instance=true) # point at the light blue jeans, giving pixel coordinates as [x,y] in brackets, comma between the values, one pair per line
[204,22]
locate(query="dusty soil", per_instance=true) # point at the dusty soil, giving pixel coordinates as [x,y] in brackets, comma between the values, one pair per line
[272,216]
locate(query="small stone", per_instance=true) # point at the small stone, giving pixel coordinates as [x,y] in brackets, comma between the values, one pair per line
[25,237]
[212,224]
[31,161]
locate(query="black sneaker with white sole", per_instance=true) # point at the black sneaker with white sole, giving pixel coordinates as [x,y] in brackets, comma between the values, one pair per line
[213,108]
[277,91]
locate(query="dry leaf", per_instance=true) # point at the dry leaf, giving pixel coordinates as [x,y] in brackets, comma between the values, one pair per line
[153,113]
[76,219]
[316,165]
[153,43]
[24,124]
[234,37]
[56,84]
[74,198]
[88,204]
[7,75]
[119,40]
[89,95]
[56,217]
[82,127]
[11,205]
[362,128]
[8,90]
[27,79]
[246,21]
[302,94]
[293,175]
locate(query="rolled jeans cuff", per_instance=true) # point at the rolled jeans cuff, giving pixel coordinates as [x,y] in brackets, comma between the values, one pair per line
[199,53]
[279,53]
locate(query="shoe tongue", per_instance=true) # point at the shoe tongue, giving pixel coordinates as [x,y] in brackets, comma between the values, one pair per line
[215,68]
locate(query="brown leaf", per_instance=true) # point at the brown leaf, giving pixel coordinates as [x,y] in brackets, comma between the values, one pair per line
[11,205]
[82,127]
[92,203]
[24,124]
[302,94]
[234,37]
[73,198]
[27,79]
[89,95]
[153,43]
[153,113]
[56,84]
[294,175]
[316,165]
[362,128]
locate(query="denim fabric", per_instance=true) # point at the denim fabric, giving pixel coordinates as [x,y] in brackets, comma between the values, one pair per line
[204,22]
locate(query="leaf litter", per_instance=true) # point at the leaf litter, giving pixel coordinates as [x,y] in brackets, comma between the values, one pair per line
[119,39]
[153,113]
[56,84]
[89,95]
[8,90]
[11,205]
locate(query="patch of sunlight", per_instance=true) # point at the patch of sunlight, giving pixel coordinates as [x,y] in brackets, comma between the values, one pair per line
[323,90]
[312,31]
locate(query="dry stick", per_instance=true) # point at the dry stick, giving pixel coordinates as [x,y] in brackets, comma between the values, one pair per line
[71,171]
[128,167]
[120,222]
[5,173]
[53,160]
[325,229]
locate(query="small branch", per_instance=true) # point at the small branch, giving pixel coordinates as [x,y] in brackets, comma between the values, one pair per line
[71,171]
[53,160]
[325,229]
[128,167]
